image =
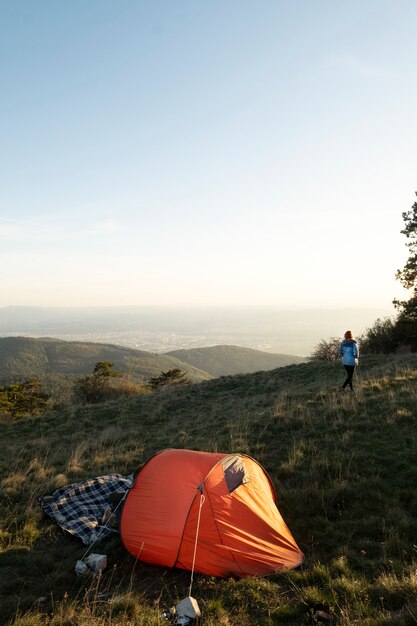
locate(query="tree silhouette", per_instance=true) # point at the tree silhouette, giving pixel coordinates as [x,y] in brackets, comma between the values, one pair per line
[406,326]
[326,351]
[98,386]
[171,378]
[408,274]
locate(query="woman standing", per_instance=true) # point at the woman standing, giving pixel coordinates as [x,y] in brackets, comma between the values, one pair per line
[349,352]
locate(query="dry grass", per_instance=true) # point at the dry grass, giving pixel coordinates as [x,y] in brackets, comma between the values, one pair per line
[344,465]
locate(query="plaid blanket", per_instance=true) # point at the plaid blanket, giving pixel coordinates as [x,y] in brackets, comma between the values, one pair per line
[79,508]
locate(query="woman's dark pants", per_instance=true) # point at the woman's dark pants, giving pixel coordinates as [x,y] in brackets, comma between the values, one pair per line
[349,370]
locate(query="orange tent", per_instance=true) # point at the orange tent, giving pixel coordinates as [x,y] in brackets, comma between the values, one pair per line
[209,512]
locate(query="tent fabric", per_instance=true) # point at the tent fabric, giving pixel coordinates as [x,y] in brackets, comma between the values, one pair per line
[241,532]
[79,508]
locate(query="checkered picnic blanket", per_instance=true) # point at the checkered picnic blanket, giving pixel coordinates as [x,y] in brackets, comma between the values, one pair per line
[79,508]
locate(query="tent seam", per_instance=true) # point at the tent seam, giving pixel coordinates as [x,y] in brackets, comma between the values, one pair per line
[207,495]
[220,537]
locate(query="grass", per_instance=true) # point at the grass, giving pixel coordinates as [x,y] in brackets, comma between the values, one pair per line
[345,470]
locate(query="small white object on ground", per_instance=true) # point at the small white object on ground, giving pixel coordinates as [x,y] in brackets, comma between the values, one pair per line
[188,608]
[80,568]
[96,562]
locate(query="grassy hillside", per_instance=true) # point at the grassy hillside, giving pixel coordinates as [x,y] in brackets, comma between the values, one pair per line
[57,363]
[345,469]
[229,360]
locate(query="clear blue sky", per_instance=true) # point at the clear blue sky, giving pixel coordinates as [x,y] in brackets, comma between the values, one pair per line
[219,152]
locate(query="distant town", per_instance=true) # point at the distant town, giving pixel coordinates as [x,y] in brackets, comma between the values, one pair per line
[158,329]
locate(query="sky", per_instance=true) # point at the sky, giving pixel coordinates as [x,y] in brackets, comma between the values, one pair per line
[218,152]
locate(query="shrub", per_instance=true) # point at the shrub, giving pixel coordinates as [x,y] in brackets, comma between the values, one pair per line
[326,351]
[381,338]
[105,384]
[27,398]
[388,335]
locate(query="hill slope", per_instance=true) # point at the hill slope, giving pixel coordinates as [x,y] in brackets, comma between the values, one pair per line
[344,466]
[58,363]
[230,360]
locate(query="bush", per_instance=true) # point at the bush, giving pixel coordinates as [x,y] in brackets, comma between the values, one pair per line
[381,338]
[105,384]
[326,351]
[388,335]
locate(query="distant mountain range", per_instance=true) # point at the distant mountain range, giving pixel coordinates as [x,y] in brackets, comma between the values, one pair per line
[21,357]
[230,360]
[58,363]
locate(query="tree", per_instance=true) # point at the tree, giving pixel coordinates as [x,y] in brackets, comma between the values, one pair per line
[381,337]
[326,351]
[98,386]
[104,370]
[171,378]
[407,319]
[6,404]
[408,274]
[26,398]
[105,383]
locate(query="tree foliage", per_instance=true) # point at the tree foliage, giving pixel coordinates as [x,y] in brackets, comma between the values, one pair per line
[326,350]
[406,326]
[103,370]
[381,338]
[23,398]
[105,383]
[171,378]
[408,274]
[389,335]
[96,387]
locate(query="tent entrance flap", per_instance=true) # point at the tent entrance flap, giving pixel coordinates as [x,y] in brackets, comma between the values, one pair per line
[235,473]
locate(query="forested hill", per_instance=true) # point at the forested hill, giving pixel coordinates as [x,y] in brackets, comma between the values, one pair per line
[24,357]
[226,360]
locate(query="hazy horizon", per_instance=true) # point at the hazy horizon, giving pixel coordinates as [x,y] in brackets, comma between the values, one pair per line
[162,329]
